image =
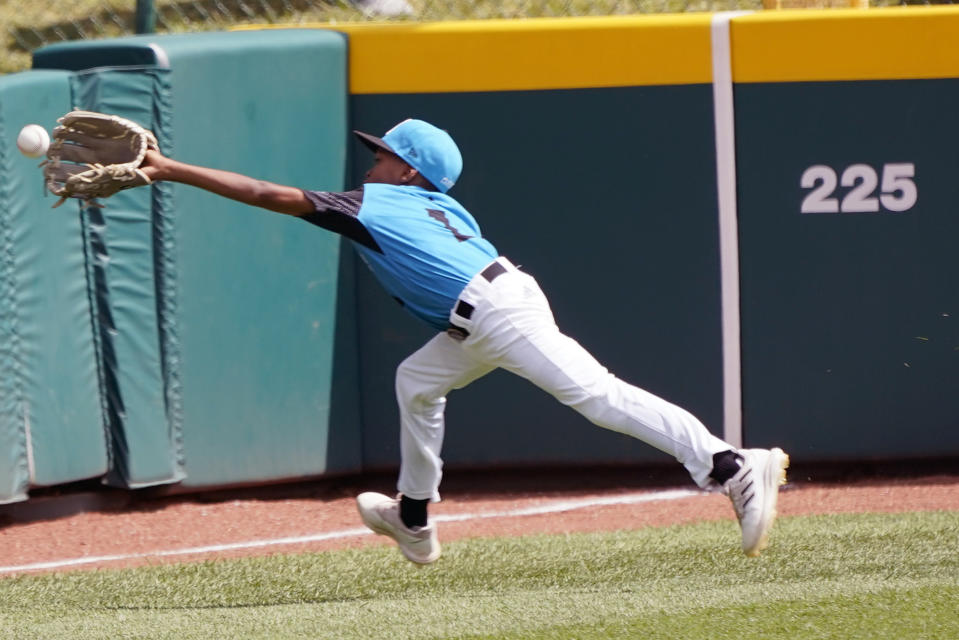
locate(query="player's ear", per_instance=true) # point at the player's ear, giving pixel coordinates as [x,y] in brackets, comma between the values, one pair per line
[409,175]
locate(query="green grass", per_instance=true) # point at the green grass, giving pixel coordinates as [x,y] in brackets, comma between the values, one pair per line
[869,576]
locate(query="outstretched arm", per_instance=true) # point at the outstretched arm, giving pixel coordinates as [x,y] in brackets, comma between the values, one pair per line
[258,193]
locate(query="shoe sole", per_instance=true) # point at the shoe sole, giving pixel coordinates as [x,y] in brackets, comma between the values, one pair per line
[376,525]
[774,475]
[419,560]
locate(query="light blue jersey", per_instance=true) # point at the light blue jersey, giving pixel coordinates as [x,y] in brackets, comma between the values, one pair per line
[430,248]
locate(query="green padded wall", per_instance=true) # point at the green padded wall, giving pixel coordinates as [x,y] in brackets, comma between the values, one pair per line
[258,290]
[126,239]
[129,238]
[246,301]
[51,420]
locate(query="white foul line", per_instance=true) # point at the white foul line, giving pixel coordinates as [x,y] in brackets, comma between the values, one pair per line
[571,505]
[552,507]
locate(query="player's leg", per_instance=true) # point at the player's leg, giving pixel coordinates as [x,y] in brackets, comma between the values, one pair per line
[519,334]
[422,382]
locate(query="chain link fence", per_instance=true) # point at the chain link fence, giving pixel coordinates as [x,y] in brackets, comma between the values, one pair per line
[29,24]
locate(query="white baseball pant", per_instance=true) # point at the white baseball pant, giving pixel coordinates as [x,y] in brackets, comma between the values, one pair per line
[511,326]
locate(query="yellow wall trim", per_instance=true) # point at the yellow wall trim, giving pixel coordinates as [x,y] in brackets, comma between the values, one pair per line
[801,45]
[542,53]
[846,44]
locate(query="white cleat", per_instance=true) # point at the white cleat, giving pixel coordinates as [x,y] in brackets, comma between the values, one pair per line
[382,514]
[754,491]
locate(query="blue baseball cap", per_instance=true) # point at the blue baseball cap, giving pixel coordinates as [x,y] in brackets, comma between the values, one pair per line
[426,148]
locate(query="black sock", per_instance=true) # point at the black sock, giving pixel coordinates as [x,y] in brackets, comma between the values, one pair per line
[725,465]
[413,512]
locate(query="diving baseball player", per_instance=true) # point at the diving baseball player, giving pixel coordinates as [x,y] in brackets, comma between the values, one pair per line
[428,252]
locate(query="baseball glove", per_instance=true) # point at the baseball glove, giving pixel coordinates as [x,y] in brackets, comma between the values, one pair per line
[94,155]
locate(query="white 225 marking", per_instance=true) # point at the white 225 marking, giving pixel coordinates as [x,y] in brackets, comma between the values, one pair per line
[898,191]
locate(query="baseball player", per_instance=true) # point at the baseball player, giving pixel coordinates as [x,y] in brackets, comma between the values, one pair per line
[428,252]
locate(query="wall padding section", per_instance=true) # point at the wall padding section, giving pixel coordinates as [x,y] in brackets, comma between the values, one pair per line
[51,419]
[250,297]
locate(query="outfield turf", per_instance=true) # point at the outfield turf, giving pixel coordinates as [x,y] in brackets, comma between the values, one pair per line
[849,576]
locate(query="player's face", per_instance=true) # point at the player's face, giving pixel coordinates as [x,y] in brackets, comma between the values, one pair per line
[388,168]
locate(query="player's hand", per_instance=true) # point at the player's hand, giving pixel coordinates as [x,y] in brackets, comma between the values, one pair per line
[155,165]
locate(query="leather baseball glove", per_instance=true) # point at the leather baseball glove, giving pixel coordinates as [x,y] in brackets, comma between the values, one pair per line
[94,155]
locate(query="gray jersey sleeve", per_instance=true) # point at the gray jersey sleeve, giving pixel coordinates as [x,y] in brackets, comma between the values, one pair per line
[338,211]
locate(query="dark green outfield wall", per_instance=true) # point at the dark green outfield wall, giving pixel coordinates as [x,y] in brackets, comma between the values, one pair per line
[614,214]
[850,319]
[176,337]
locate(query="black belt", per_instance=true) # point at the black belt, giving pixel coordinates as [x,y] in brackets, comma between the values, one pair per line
[465,310]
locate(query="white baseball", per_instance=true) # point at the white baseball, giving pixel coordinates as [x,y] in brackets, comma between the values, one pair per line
[33,141]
